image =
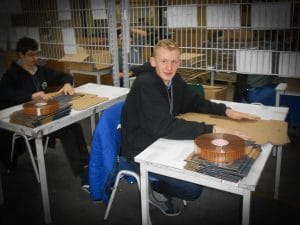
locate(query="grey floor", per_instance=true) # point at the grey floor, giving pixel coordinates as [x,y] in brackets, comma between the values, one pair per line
[70,205]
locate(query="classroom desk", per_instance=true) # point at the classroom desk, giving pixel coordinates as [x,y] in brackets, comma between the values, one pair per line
[166,157]
[281,89]
[267,113]
[100,70]
[114,94]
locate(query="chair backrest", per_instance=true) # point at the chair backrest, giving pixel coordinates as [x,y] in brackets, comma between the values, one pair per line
[198,88]
[105,147]
[265,95]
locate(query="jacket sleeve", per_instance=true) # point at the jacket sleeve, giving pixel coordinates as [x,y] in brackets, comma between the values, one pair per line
[193,102]
[11,92]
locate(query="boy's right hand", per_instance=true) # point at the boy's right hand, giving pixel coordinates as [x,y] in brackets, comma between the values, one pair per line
[40,95]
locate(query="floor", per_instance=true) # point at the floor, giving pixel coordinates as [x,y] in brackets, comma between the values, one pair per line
[72,206]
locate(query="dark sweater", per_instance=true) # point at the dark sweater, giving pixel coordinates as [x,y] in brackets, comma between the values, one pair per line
[17,85]
[146,114]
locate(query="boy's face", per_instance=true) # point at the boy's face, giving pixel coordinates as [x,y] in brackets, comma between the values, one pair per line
[30,58]
[166,63]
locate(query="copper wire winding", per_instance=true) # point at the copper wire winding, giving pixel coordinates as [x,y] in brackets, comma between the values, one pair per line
[40,107]
[220,147]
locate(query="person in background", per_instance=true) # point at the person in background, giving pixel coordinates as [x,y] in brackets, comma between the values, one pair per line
[25,81]
[255,88]
[260,88]
[157,96]
[137,37]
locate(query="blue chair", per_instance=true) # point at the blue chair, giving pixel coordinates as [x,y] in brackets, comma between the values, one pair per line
[106,168]
[129,174]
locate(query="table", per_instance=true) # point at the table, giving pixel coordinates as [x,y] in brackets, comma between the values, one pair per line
[267,113]
[100,70]
[190,74]
[114,94]
[156,158]
[281,90]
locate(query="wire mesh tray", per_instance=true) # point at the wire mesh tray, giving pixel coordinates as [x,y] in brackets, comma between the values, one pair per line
[233,171]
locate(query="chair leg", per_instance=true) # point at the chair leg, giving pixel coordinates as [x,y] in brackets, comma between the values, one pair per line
[112,196]
[133,174]
[115,187]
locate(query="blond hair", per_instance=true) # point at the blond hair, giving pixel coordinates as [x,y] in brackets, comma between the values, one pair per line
[169,44]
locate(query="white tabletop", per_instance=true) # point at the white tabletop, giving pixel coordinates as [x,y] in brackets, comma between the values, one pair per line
[282,89]
[171,155]
[264,112]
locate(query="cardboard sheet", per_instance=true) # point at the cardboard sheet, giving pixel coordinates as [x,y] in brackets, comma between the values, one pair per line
[261,131]
[86,101]
[189,56]
[82,101]
[78,57]
[293,84]
[189,59]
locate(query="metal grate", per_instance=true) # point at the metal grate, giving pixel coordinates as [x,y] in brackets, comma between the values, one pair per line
[251,37]
[229,36]
[64,28]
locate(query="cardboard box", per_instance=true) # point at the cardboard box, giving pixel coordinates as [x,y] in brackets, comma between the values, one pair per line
[215,92]
[293,84]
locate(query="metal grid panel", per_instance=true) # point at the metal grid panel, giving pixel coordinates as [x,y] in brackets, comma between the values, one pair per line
[214,35]
[75,28]
[229,36]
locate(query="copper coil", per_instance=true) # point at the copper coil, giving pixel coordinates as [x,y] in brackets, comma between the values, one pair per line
[220,147]
[40,107]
